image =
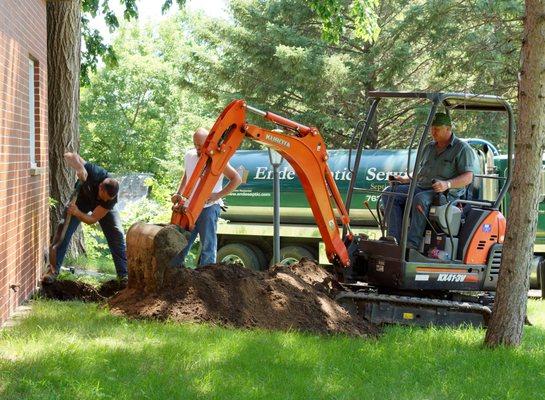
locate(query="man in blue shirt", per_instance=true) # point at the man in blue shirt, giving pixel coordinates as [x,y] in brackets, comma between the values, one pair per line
[95,203]
[448,164]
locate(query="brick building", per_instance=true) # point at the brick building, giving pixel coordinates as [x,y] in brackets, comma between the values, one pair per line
[24,222]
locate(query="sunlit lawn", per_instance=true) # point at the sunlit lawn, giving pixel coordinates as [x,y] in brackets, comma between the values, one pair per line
[78,351]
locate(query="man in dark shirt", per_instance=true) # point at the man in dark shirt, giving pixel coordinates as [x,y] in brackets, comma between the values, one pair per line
[448,164]
[95,203]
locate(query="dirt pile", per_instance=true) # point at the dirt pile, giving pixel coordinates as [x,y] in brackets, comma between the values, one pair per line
[299,297]
[75,290]
[109,288]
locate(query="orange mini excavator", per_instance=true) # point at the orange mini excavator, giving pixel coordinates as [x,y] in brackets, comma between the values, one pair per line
[384,281]
[303,147]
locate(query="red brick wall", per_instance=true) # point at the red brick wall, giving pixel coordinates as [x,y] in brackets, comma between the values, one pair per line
[24,226]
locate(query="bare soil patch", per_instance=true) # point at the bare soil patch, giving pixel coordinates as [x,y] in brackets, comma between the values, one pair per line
[76,290]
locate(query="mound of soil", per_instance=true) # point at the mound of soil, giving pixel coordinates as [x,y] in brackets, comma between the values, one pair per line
[299,297]
[111,287]
[74,290]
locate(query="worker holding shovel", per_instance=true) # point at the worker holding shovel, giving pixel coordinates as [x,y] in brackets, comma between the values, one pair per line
[92,201]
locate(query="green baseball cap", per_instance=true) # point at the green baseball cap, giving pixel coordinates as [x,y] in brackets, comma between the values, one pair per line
[441,119]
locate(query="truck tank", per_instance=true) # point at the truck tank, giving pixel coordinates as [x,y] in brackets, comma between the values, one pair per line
[253,200]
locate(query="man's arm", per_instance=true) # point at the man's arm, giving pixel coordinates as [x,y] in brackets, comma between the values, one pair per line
[178,195]
[466,161]
[75,161]
[234,181]
[98,213]
[460,181]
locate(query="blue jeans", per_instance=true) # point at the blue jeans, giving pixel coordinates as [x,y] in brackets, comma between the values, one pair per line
[113,231]
[394,207]
[206,227]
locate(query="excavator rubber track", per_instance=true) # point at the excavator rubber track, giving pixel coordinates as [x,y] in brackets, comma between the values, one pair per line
[410,310]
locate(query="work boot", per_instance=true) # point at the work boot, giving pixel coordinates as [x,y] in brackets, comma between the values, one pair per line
[50,276]
[123,280]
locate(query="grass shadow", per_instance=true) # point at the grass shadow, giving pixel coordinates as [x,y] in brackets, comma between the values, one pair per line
[75,350]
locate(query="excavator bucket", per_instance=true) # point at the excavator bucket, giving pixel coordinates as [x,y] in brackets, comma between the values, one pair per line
[150,249]
[178,259]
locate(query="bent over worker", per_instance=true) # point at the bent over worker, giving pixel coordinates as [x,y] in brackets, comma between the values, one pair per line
[207,222]
[448,164]
[95,203]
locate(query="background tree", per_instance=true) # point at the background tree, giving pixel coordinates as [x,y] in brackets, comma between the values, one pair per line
[273,54]
[135,116]
[63,68]
[509,312]
[64,20]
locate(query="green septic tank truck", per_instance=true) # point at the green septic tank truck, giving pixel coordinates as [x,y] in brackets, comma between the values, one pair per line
[246,231]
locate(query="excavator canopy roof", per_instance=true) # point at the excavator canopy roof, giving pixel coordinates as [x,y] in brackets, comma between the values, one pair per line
[464,101]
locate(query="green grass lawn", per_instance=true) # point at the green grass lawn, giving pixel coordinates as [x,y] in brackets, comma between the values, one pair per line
[78,351]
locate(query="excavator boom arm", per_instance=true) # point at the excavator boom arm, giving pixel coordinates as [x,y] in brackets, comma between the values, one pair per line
[306,153]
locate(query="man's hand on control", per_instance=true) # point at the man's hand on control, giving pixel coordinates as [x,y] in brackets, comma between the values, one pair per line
[176,197]
[398,178]
[440,186]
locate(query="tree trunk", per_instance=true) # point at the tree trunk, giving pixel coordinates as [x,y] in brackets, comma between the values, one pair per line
[63,71]
[509,312]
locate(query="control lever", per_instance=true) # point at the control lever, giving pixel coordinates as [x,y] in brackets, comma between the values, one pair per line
[439,199]
[366,204]
[421,211]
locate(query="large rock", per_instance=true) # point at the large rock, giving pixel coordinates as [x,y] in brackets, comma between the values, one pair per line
[150,248]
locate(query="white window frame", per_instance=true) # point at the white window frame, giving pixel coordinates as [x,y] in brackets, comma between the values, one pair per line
[31,113]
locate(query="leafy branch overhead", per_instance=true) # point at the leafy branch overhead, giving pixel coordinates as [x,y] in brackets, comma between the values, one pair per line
[362,15]
[95,48]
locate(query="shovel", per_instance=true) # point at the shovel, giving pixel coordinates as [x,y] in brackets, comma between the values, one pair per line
[60,233]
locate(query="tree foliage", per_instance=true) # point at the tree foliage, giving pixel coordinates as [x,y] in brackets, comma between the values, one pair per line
[94,46]
[174,78]
[273,54]
[135,116]
[362,15]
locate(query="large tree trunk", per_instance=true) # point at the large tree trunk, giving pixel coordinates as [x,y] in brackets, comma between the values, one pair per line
[63,71]
[509,312]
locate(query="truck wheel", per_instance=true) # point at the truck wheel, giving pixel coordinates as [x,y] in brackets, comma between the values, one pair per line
[312,250]
[260,256]
[541,275]
[290,255]
[237,253]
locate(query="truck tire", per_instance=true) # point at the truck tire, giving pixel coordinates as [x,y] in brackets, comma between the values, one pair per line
[312,250]
[238,253]
[260,256]
[290,255]
[541,275]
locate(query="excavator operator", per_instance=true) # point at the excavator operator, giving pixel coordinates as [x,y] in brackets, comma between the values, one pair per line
[448,165]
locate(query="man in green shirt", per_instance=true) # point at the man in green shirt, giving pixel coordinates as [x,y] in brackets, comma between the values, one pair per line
[448,164]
